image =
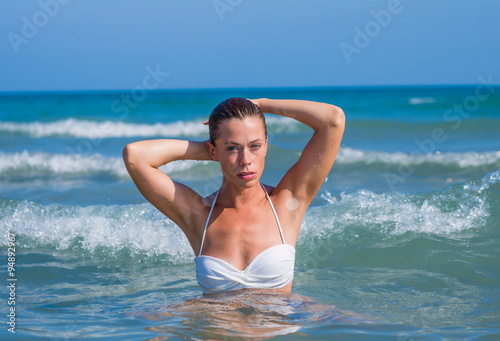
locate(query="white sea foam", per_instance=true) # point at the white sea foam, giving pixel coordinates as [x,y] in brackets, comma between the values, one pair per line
[108,129]
[42,163]
[281,124]
[349,156]
[104,129]
[455,209]
[138,228]
[421,100]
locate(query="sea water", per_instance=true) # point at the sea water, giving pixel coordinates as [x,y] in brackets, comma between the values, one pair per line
[400,243]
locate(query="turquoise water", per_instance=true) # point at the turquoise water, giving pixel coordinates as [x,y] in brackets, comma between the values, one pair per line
[401,242]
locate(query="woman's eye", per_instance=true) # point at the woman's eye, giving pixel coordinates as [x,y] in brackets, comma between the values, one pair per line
[255,146]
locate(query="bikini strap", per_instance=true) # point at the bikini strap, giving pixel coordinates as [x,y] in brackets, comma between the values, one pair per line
[275,215]
[206,223]
[212,208]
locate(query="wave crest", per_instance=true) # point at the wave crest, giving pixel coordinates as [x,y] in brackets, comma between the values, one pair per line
[457,208]
[106,129]
[109,129]
[349,156]
[41,163]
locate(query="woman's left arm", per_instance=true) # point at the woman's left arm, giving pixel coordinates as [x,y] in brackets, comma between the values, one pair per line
[305,177]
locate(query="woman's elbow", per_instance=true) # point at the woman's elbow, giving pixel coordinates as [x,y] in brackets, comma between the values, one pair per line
[336,118]
[129,154]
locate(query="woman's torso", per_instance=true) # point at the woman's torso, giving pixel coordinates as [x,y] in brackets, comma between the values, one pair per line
[247,245]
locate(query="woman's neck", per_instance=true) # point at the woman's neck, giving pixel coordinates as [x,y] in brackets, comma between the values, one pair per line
[234,196]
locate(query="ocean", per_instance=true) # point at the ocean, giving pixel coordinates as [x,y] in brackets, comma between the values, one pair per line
[400,243]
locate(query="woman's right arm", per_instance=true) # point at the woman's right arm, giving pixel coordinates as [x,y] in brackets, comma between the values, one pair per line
[173,199]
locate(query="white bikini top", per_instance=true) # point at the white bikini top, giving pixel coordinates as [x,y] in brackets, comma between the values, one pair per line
[271,269]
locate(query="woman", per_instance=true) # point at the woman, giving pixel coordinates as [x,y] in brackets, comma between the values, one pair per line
[244,235]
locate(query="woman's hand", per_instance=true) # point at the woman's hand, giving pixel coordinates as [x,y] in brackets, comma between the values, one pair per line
[255,101]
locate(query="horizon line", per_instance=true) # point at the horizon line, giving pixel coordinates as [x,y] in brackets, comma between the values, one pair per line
[269,88]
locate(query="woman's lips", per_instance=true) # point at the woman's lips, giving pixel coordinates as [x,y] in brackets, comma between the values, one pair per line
[246,175]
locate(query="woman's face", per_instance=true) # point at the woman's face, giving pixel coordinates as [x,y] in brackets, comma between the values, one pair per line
[241,150]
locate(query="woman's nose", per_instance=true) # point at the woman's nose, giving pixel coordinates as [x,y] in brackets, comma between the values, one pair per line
[244,157]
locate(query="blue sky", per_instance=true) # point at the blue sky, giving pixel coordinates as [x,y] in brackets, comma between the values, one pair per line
[116,44]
